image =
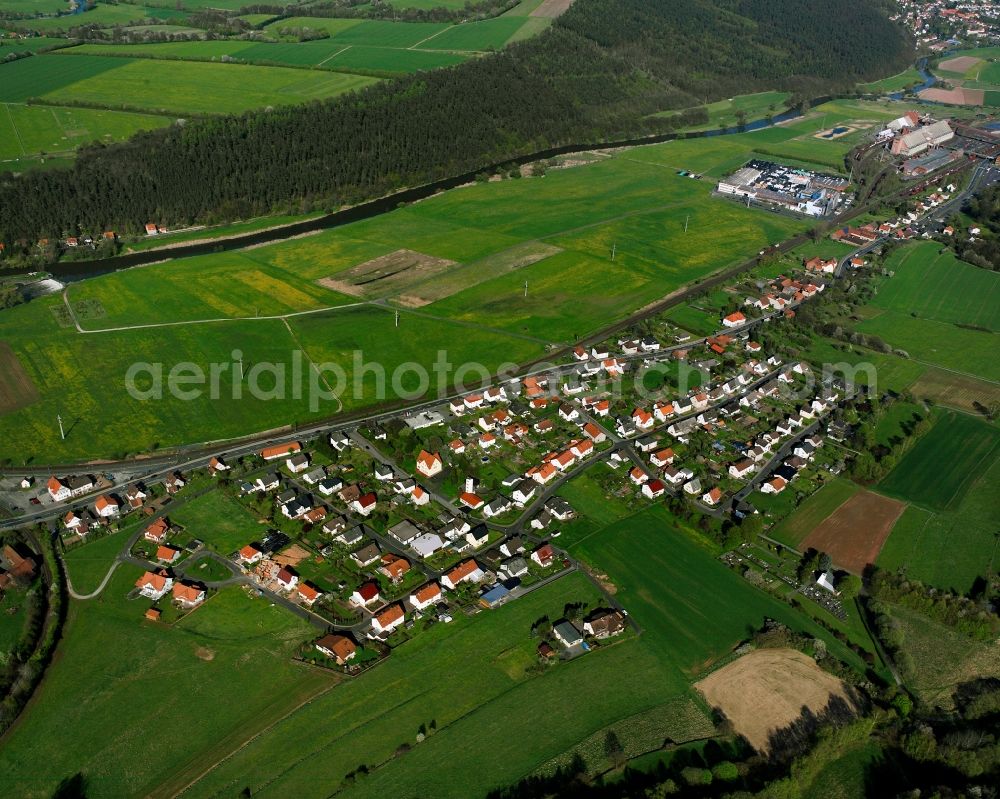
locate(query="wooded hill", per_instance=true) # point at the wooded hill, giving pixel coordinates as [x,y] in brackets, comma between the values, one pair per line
[597,73]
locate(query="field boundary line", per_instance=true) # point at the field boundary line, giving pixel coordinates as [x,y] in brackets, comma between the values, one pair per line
[254,737]
[312,365]
[415,45]
[334,55]
[17,133]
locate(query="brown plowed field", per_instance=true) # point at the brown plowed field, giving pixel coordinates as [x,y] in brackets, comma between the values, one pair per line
[853,534]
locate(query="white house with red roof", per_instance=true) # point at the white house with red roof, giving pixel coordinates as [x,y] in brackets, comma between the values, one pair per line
[429,464]
[734,319]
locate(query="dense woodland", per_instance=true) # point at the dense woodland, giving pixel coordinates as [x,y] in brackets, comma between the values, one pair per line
[598,73]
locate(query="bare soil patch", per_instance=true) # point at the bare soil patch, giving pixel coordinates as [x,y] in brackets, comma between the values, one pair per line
[551,8]
[957,96]
[386,274]
[854,533]
[961,64]
[767,689]
[204,653]
[292,556]
[17,389]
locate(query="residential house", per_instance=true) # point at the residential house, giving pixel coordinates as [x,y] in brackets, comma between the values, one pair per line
[135,496]
[364,504]
[515,566]
[366,594]
[429,464]
[734,319]
[338,648]
[167,554]
[315,476]
[774,486]
[366,555]
[544,555]
[662,458]
[477,536]
[466,571]
[654,489]
[188,595]
[154,585]
[157,532]
[604,623]
[174,483]
[308,594]
[249,555]
[106,506]
[427,544]
[741,469]
[567,634]
[287,578]
[712,496]
[425,596]
[394,567]
[279,451]
[388,620]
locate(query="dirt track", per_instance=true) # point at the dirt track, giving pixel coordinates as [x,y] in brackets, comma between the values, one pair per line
[766,690]
[854,533]
[551,8]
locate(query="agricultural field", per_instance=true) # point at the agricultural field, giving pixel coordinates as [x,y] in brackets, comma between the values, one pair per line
[35,44]
[30,134]
[183,674]
[966,393]
[103,14]
[490,34]
[865,367]
[854,533]
[811,513]
[966,444]
[949,549]
[177,87]
[932,283]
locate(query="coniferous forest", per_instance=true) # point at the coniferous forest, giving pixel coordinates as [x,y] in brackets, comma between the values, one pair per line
[597,73]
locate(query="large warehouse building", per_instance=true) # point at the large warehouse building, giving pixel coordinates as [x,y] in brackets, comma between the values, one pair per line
[916,141]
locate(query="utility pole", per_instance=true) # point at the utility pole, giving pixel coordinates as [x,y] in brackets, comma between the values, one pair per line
[397,318]
[525,288]
[686,220]
[241,369]
[62,433]
[614,249]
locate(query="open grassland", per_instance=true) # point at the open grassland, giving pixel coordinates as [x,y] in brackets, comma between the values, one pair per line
[223,286]
[13,613]
[219,521]
[475,36]
[967,445]
[943,658]
[29,133]
[893,83]
[104,416]
[811,513]
[35,44]
[325,53]
[864,367]
[177,87]
[475,680]
[88,563]
[723,113]
[950,549]
[209,682]
[932,284]
[196,87]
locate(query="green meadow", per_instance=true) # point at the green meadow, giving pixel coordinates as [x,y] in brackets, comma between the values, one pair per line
[103,14]
[219,520]
[156,698]
[28,133]
[177,87]
[754,106]
[966,444]
[87,564]
[933,284]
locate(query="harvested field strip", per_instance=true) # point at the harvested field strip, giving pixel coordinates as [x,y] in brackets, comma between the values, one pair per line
[765,691]
[957,391]
[853,535]
[392,272]
[17,389]
[476,272]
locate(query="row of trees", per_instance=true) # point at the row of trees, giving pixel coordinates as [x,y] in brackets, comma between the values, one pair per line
[596,74]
